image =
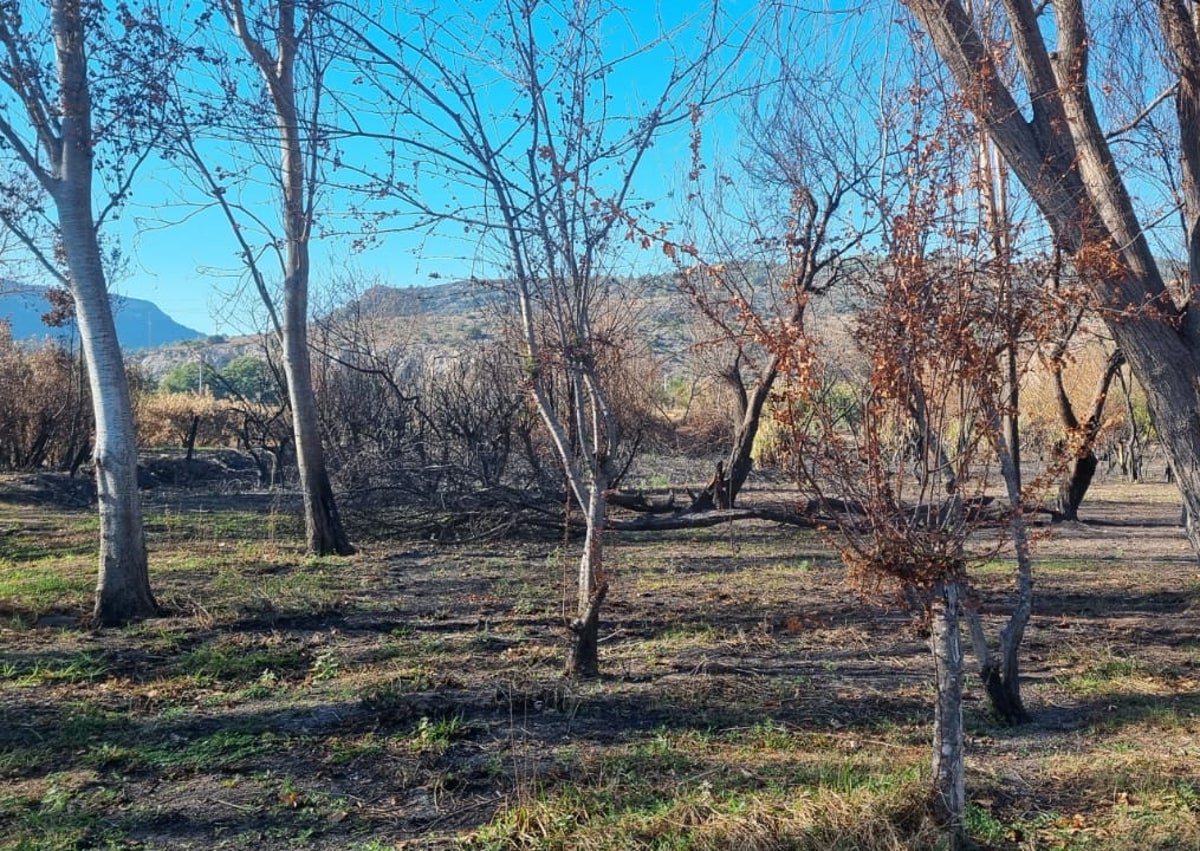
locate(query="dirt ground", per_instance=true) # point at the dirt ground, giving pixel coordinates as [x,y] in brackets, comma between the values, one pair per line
[412,697]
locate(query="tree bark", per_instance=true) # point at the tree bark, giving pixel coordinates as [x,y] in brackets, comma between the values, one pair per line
[324,533]
[592,587]
[1075,488]
[1083,467]
[740,461]
[1061,156]
[1001,672]
[123,587]
[189,445]
[584,659]
[949,783]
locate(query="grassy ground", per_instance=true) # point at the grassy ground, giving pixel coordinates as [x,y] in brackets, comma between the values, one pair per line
[410,696]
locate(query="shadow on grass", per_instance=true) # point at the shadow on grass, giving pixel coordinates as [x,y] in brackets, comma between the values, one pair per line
[1115,710]
[1052,602]
[272,773]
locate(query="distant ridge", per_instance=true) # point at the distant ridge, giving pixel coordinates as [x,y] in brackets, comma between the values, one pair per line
[454,298]
[140,323]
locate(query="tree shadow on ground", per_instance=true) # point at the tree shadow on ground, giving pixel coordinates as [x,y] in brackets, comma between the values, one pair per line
[1059,602]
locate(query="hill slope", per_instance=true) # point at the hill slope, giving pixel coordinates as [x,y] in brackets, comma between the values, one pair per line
[140,323]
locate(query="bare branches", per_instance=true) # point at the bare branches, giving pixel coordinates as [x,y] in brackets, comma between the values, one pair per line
[517,114]
[22,75]
[1132,124]
[186,141]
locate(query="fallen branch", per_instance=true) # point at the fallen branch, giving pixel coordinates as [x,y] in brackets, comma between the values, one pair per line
[639,502]
[703,519]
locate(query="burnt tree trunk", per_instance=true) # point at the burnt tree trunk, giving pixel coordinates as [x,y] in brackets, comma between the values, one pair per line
[949,784]
[1075,488]
[1083,467]
[716,492]
[190,446]
[1001,671]
[584,659]
[741,460]
[723,489]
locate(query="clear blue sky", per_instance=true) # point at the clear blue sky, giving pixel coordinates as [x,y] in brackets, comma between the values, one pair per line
[191,269]
[185,259]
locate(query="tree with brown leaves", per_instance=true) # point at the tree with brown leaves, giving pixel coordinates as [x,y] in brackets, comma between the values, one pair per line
[1047,125]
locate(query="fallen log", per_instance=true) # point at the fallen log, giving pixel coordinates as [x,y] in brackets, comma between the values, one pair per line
[703,519]
[640,503]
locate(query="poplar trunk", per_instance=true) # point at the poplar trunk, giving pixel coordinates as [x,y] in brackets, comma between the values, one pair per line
[123,586]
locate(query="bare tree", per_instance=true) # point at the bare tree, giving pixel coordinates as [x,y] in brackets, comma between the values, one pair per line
[541,172]
[775,231]
[1047,126]
[73,103]
[290,50]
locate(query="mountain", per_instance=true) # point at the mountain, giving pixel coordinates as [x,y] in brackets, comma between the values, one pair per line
[425,322]
[455,298]
[140,323]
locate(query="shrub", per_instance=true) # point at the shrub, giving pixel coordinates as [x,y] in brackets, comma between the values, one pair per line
[166,420]
[45,407]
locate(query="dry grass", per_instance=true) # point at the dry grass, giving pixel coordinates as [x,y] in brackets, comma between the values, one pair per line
[410,696]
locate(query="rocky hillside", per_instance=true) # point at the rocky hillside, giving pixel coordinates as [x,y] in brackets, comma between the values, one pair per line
[450,316]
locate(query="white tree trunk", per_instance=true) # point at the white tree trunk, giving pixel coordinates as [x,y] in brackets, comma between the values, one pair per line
[324,533]
[584,660]
[123,588]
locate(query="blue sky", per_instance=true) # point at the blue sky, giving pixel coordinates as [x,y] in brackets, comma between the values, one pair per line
[190,267]
[185,259]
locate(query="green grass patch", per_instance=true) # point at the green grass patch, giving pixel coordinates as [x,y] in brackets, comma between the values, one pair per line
[54,668]
[216,752]
[60,819]
[437,734]
[223,750]
[1102,676]
[685,634]
[702,817]
[235,662]
[54,583]
[346,750]
[228,526]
